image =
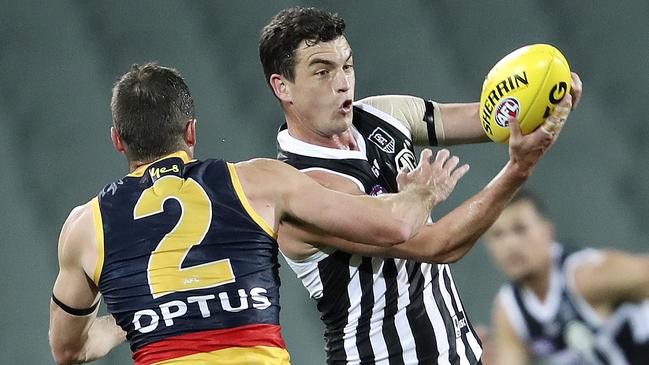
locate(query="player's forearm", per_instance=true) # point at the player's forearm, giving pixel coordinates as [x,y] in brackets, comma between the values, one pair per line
[450,238]
[102,336]
[409,211]
[461,124]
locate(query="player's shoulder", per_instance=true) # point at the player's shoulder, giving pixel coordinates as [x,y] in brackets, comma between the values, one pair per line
[262,166]
[77,229]
[265,172]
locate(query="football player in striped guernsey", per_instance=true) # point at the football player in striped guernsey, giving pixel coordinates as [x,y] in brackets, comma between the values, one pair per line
[183,251]
[380,310]
[583,307]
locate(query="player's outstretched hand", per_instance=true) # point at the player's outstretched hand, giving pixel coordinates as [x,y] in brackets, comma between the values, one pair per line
[525,151]
[439,175]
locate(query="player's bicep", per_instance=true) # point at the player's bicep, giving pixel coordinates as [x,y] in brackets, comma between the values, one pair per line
[356,218]
[74,296]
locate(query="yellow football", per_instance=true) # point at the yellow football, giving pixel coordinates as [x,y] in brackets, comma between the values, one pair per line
[527,83]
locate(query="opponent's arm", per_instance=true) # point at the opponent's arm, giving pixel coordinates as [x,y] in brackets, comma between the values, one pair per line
[444,124]
[76,334]
[508,347]
[612,278]
[386,220]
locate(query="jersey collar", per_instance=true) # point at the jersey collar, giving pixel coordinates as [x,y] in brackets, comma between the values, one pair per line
[291,144]
[139,172]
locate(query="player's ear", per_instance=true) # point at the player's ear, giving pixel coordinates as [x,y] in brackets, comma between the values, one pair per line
[190,133]
[117,141]
[280,87]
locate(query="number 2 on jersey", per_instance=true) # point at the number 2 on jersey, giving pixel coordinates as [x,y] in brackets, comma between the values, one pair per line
[164,272]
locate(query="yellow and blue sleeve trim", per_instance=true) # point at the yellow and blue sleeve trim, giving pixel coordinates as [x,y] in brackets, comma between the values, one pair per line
[246,204]
[99,232]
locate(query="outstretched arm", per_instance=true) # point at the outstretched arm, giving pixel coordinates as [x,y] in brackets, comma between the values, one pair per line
[387,220]
[450,123]
[76,334]
[612,278]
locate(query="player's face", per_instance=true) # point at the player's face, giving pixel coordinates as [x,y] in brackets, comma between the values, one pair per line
[520,241]
[323,89]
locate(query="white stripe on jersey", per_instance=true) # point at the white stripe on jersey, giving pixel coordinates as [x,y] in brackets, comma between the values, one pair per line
[354,292]
[400,319]
[569,267]
[307,271]
[435,316]
[473,342]
[513,312]
[376,320]
[291,144]
[448,301]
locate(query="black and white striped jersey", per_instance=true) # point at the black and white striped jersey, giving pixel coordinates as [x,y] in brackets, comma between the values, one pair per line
[376,310]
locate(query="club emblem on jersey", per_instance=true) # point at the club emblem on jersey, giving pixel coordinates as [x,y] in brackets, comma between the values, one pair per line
[405,159]
[377,190]
[382,139]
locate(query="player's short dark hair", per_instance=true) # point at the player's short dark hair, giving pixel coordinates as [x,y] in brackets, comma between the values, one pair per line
[281,37]
[151,106]
[535,200]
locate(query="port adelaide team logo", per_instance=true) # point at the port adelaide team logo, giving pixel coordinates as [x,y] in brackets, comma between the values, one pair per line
[382,139]
[507,108]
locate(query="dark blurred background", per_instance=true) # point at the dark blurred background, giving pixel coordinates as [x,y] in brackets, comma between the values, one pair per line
[59,60]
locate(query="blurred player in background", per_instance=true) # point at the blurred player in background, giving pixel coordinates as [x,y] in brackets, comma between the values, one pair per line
[183,251]
[379,310]
[561,307]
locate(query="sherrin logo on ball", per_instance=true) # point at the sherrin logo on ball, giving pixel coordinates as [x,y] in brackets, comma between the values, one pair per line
[527,83]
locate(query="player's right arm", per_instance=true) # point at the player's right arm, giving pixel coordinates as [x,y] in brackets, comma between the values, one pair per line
[452,123]
[76,334]
[286,195]
[508,347]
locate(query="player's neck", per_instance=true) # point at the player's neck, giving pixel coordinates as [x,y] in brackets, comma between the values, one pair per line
[342,140]
[539,282]
[135,164]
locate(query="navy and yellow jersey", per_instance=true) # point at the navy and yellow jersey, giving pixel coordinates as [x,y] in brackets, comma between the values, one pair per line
[186,266]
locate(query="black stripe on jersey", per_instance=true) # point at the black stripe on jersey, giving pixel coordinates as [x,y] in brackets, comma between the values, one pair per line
[392,341]
[453,358]
[633,352]
[429,118]
[418,319]
[463,331]
[363,343]
[334,274]
[534,327]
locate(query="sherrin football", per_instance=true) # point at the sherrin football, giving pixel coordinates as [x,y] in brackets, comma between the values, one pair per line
[527,83]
